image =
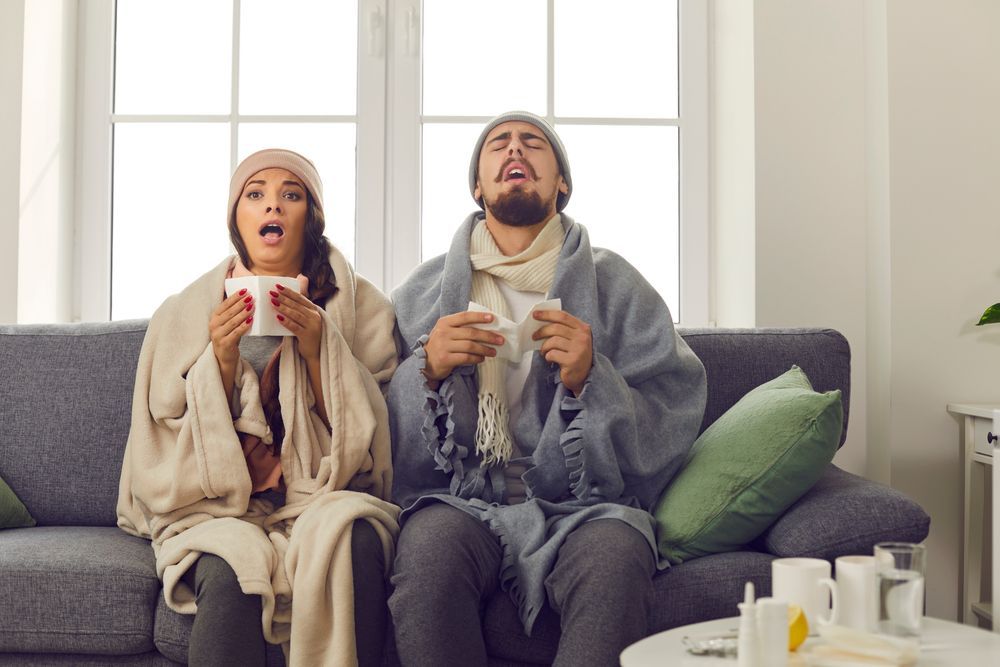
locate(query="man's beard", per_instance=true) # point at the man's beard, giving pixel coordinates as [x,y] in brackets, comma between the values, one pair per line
[518,208]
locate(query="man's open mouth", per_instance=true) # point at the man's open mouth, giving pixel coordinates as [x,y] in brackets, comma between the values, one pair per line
[516,171]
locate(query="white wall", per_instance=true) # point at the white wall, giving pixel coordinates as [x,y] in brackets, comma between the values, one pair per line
[11,43]
[47,162]
[877,189]
[944,106]
[733,186]
[810,180]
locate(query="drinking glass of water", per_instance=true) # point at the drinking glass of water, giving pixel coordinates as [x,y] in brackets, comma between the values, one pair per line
[900,575]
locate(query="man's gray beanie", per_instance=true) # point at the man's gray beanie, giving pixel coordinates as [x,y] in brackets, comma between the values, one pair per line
[550,134]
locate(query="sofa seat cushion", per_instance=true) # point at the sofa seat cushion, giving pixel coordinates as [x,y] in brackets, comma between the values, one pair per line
[697,590]
[151,659]
[76,590]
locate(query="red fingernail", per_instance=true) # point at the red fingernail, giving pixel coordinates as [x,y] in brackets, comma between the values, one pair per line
[489,317]
[250,306]
[280,286]
[248,299]
[275,302]
[281,318]
[273,293]
[250,320]
[243,291]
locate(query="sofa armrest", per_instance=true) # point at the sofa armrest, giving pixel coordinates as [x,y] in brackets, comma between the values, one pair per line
[844,514]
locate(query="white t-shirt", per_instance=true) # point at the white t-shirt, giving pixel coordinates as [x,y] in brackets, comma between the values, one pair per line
[519,303]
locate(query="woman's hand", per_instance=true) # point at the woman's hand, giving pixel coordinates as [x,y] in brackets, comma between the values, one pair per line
[302,318]
[230,320]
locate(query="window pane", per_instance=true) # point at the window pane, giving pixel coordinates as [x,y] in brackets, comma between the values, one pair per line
[446,201]
[620,63]
[485,57]
[298,57]
[166,62]
[169,211]
[331,147]
[625,192]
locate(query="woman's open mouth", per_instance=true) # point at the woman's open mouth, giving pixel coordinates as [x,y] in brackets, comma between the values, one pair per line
[272,232]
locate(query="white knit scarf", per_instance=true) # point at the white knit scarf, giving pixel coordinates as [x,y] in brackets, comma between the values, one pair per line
[531,270]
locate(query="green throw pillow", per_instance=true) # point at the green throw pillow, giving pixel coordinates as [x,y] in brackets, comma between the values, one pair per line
[748,467]
[13,513]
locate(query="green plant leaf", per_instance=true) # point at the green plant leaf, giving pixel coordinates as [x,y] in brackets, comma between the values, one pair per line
[990,316]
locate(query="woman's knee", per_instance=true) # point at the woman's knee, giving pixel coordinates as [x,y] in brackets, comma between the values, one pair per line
[366,545]
[213,571]
[216,580]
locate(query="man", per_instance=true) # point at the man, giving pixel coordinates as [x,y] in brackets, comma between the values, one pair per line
[533,474]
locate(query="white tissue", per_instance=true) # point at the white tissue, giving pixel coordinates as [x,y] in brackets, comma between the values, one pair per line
[517,336]
[842,646]
[265,320]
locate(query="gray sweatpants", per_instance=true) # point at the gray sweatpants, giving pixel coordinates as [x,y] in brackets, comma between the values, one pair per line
[227,628]
[448,565]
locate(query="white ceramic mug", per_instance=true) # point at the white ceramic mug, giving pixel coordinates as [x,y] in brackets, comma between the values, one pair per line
[857,592]
[805,582]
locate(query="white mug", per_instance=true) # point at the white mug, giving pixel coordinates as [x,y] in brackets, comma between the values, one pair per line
[858,596]
[805,581]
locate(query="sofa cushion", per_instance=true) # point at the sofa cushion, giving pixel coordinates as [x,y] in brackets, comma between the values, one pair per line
[76,590]
[13,513]
[698,590]
[151,659]
[845,514]
[749,467]
[65,406]
[737,360]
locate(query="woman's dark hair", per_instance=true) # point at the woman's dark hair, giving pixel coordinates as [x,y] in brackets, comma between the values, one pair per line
[322,285]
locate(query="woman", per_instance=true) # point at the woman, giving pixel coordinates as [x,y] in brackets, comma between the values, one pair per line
[259,466]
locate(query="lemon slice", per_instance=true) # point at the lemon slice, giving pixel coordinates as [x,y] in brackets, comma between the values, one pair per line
[798,627]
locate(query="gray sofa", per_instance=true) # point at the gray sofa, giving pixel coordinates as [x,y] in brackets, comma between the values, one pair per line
[76,590]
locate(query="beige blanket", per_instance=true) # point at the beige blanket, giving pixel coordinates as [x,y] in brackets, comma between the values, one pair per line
[185,483]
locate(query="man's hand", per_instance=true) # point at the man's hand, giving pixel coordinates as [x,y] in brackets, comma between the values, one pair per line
[301,317]
[568,342]
[454,341]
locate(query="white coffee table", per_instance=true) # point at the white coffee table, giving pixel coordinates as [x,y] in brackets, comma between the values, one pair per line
[942,644]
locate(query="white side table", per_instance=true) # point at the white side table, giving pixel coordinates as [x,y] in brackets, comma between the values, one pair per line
[942,644]
[980,447]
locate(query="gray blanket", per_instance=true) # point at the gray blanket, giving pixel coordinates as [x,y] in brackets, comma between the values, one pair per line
[608,453]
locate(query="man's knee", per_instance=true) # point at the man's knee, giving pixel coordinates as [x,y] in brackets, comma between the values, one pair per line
[437,537]
[443,551]
[606,555]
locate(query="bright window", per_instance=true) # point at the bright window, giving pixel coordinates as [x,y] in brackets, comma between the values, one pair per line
[387,97]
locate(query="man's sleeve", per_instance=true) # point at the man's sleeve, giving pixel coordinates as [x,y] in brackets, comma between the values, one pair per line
[427,428]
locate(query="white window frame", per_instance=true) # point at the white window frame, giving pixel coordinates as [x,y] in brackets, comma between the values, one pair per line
[97,119]
[403,207]
[388,203]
